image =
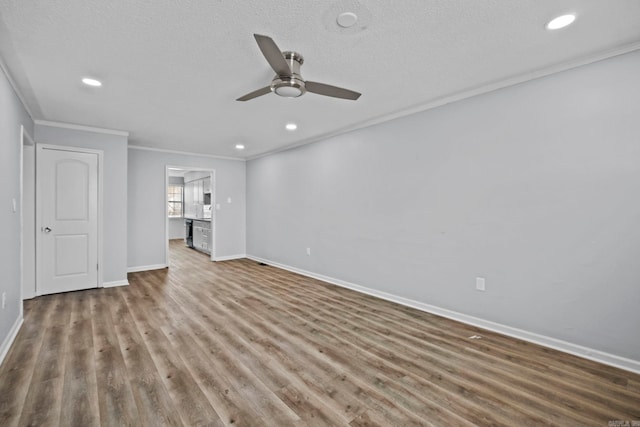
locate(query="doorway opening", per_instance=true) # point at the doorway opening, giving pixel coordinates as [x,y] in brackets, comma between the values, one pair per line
[190,217]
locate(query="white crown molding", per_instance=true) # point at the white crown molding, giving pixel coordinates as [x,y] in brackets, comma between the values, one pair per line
[185,153]
[81,127]
[556,344]
[479,90]
[16,90]
[146,268]
[13,333]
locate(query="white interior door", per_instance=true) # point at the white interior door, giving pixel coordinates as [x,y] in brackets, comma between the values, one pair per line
[67,234]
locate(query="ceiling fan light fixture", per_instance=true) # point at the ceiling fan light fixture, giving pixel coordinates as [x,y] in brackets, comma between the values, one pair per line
[288,91]
[288,87]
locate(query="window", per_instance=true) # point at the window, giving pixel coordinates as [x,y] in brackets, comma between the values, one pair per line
[175,201]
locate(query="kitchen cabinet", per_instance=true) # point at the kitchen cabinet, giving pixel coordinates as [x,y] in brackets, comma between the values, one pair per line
[198,191]
[201,236]
[197,194]
[189,201]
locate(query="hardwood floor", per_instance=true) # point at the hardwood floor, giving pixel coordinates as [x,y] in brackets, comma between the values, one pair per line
[238,343]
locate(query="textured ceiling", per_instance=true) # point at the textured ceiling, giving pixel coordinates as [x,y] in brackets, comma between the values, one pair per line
[173,69]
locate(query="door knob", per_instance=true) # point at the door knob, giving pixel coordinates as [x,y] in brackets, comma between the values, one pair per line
[46,230]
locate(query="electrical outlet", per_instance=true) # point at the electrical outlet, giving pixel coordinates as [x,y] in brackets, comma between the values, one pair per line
[4,299]
[480,283]
[308,251]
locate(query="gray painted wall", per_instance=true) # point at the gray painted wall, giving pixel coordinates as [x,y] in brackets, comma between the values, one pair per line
[535,187]
[12,116]
[147,211]
[114,188]
[176,225]
[29,222]
[176,228]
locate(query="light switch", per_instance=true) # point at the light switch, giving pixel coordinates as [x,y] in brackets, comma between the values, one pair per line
[15,205]
[228,199]
[217,206]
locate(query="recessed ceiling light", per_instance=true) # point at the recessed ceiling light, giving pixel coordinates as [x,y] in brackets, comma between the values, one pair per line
[239,147]
[291,126]
[560,22]
[91,82]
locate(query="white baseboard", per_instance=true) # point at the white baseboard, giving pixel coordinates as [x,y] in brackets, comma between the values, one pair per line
[556,344]
[146,268]
[115,283]
[6,344]
[229,257]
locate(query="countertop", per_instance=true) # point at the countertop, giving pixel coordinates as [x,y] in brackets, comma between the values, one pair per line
[199,219]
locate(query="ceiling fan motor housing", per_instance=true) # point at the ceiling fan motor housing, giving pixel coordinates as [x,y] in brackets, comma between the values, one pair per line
[290,86]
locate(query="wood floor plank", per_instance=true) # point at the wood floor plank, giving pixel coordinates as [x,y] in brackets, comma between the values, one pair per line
[239,343]
[369,419]
[79,406]
[155,406]
[220,391]
[268,405]
[185,393]
[311,409]
[43,401]
[333,347]
[434,333]
[318,351]
[116,403]
[610,407]
[325,339]
[218,380]
[225,348]
[17,370]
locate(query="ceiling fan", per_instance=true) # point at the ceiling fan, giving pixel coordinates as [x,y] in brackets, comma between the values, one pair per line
[288,82]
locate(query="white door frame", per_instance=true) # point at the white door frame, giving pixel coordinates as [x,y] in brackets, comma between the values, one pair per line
[26,140]
[214,230]
[100,154]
